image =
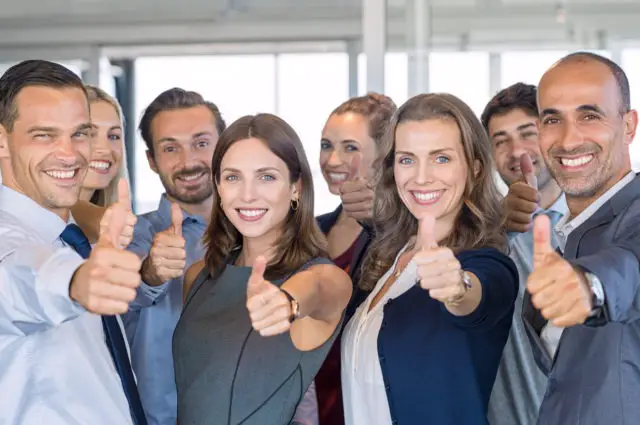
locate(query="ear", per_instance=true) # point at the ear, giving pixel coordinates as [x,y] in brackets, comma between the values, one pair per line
[152,161]
[4,142]
[477,167]
[296,189]
[630,125]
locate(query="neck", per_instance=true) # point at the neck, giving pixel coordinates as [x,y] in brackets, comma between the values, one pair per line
[549,194]
[577,204]
[202,209]
[86,194]
[252,248]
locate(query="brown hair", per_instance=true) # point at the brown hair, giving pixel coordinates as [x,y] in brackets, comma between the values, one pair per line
[301,239]
[479,220]
[376,108]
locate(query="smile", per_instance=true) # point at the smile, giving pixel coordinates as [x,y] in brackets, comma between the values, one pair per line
[337,177]
[251,214]
[63,176]
[100,166]
[575,163]
[190,178]
[426,197]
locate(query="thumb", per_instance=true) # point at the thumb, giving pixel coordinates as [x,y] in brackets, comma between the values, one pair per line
[257,276]
[355,167]
[124,197]
[176,219]
[427,233]
[541,240]
[528,171]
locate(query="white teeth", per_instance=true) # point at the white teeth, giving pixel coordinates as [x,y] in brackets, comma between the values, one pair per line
[428,196]
[61,174]
[339,177]
[253,213]
[576,162]
[191,177]
[101,165]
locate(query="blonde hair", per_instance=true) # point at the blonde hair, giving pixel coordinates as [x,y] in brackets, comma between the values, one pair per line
[109,195]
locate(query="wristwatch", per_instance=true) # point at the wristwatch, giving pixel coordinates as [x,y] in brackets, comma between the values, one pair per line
[597,291]
[293,303]
[466,284]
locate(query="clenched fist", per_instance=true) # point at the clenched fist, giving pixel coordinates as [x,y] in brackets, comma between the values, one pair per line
[523,198]
[167,257]
[557,289]
[269,308]
[355,193]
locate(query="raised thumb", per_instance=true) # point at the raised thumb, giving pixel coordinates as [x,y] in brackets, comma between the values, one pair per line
[124,196]
[257,275]
[176,219]
[528,171]
[541,240]
[355,167]
[427,233]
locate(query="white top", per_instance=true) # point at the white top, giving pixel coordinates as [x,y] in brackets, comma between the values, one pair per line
[55,367]
[551,334]
[364,396]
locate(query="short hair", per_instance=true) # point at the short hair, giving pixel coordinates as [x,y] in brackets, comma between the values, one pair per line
[618,73]
[174,99]
[517,96]
[376,108]
[30,73]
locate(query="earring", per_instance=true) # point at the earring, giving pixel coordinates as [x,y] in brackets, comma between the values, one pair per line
[294,204]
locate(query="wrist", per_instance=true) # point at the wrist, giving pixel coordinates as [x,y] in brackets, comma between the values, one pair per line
[148,274]
[464,286]
[294,306]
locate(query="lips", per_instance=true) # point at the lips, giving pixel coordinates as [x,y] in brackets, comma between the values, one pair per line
[426,197]
[251,214]
[337,178]
[576,162]
[100,166]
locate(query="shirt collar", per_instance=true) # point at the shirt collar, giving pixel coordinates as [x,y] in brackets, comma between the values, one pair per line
[164,210]
[45,223]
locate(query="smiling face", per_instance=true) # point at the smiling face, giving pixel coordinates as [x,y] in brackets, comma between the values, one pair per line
[107,146]
[46,154]
[430,169]
[343,136]
[584,137]
[255,189]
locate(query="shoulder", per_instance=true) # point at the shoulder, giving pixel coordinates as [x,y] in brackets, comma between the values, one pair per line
[14,235]
[326,221]
[190,277]
[488,259]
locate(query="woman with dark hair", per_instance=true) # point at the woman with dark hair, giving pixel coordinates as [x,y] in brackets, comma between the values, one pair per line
[425,346]
[265,254]
[350,140]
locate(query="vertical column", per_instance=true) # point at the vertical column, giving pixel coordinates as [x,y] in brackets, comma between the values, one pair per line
[495,73]
[91,75]
[352,54]
[418,39]
[374,41]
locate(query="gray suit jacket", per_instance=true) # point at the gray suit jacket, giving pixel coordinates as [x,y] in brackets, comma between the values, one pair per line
[594,378]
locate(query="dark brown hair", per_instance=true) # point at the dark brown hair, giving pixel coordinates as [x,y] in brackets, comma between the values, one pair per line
[170,100]
[32,73]
[478,223]
[301,239]
[376,108]
[517,96]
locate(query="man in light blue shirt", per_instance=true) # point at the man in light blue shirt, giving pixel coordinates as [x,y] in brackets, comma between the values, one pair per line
[63,358]
[180,130]
[511,120]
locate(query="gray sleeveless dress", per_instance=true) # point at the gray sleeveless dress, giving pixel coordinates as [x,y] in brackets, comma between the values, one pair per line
[226,373]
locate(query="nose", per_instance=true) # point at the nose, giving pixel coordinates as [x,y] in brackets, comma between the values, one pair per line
[66,151]
[425,173]
[571,137]
[248,191]
[100,144]
[517,148]
[334,159]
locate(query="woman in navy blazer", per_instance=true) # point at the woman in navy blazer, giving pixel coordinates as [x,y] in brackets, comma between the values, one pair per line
[425,345]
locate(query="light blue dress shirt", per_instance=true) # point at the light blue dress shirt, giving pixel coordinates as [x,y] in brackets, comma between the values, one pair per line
[55,367]
[151,321]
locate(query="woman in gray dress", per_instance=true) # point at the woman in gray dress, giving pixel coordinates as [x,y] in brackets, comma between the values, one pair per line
[263,308]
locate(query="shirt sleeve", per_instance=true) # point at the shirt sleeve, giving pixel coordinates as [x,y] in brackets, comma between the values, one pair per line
[498,276]
[34,288]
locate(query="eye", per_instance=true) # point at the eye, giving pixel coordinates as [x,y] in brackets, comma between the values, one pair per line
[591,117]
[529,134]
[324,145]
[41,136]
[203,144]
[169,149]
[81,134]
[405,160]
[351,148]
[267,177]
[442,159]
[114,137]
[231,178]
[498,143]
[550,121]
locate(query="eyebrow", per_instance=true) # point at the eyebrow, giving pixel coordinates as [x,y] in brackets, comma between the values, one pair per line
[202,133]
[581,108]
[45,129]
[259,170]
[433,152]
[518,128]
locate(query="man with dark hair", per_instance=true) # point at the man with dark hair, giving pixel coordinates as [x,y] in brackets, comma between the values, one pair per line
[180,130]
[511,121]
[63,357]
[582,307]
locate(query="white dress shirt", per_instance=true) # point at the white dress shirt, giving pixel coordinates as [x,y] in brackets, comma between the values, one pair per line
[551,334]
[55,367]
[363,392]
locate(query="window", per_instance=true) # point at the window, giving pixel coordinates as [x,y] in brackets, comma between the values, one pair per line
[631,65]
[237,84]
[396,80]
[527,67]
[309,87]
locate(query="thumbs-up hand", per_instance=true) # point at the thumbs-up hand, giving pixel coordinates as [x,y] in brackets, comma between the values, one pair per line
[558,290]
[439,271]
[523,198]
[269,308]
[167,257]
[355,193]
[106,283]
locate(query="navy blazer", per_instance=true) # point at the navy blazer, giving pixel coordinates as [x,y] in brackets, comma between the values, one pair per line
[439,368]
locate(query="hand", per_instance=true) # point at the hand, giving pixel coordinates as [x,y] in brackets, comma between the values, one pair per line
[269,308]
[523,198]
[121,232]
[439,271]
[106,283]
[167,257]
[557,289]
[356,195]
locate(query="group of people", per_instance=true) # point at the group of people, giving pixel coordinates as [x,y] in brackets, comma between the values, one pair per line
[426,297]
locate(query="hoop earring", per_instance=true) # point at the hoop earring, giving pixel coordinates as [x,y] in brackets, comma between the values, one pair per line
[294,204]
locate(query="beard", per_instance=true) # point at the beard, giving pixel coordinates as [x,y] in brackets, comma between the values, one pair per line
[192,195]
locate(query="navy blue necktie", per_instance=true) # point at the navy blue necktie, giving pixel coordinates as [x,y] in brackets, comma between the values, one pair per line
[75,238]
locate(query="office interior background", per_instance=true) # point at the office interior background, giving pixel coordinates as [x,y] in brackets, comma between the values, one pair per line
[301,58]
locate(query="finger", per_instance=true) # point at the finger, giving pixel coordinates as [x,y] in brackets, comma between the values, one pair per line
[576,315]
[541,240]
[168,253]
[356,197]
[520,217]
[124,197]
[528,171]
[107,306]
[125,278]
[176,219]
[354,187]
[426,233]
[257,271]
[444,280]
[443,294]
[522,206]
[355,167]
[276,316]
[277,329]
[360,208]
[107,289]
[273,301]
[170,265]
[115,258]
[520,190]
[513,226]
